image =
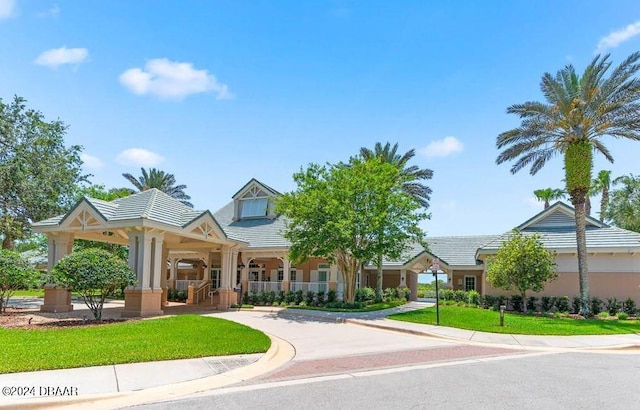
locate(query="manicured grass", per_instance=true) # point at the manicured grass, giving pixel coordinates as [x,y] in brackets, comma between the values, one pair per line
[368,308]
[178,337]
[489,321]
[37,293]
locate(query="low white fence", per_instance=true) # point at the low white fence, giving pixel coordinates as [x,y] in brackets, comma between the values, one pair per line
[184,284]
[264,286]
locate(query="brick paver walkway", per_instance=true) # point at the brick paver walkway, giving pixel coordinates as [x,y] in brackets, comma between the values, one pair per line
[346,364]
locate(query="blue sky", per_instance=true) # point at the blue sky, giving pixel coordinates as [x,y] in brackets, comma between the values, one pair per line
[218,92]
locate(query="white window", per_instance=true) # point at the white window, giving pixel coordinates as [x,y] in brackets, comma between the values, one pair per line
[254,203]
[469,283]
[293,275]
[280,275]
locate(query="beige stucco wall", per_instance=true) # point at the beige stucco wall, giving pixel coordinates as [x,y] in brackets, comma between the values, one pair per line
[390,279]
[457,279]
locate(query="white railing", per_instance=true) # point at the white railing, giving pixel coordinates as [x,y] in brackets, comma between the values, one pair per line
[184,284]
[264,286]
[316,287]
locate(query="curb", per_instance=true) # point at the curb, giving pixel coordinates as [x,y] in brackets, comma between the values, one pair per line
[278,354]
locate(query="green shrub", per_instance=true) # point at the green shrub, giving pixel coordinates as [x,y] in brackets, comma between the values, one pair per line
[562,304]
[332,296]
[280,297]
[603,315]
[517,303]
[629,307]
[532,303]
[488,301]
[447,294]
[403,293]
[365,294]
[596,305]
[499,301]
[623,316]
[309,297]
[15,274]
[269,297]
[95,274]
[320,298]
[289,297]
[460,296]
[298,297]
[613,306]
[473,298]
[546,303]
[576,302]
[253,298]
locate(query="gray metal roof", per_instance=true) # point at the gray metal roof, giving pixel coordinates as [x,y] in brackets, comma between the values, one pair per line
[565,238]
[152,204]
[259,232]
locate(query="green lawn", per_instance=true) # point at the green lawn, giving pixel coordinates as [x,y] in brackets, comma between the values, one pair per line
[489,321]
[178,337]
[38,293]
[368,308]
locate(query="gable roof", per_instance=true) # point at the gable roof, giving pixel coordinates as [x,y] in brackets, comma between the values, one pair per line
[557,215]
[153,205]
[262,185]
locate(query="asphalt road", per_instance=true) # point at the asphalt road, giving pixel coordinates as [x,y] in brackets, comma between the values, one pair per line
[528,381]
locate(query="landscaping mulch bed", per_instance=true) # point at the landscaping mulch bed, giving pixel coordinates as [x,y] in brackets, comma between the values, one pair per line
[31,319]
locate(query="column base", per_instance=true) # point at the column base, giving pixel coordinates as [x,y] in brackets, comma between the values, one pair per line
[226,298]
[284,285]
[165,296]
[56,300]
[142,303]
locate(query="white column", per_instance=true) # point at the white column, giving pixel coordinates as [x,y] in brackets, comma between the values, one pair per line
[286,268]
[173,263]
[244,274]
[225,267]
[158,267]
[58,246]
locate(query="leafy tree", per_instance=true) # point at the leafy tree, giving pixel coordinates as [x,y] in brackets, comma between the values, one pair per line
[348,214]
[15,273]
[161,180]
[624,209]
[547,195]
[580,110]
[521,263]
[38,173]
[95,274]
[601,185]
[98,191]
[412,175]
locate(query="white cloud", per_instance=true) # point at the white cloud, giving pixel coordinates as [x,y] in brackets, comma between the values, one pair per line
[63,55]
[139,157]
[53,12]
[7,8]
[443,148]
[172,80]
[615,38]
[91,162]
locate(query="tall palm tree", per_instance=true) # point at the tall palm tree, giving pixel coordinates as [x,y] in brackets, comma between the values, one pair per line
[413,176]
[547,195]
[161,180]
[580,110]
[601,185]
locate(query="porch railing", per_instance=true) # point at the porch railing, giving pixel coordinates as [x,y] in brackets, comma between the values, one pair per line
[264,286]
[316,287]
[184,284]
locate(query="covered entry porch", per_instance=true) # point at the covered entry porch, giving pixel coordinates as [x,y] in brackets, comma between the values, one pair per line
[153,226]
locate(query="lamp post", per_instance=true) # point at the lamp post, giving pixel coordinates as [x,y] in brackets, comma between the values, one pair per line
[435,266]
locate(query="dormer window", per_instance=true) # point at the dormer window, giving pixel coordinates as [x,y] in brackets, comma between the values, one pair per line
[254,204]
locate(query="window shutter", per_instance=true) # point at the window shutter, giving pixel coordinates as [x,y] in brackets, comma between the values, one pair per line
[314,276]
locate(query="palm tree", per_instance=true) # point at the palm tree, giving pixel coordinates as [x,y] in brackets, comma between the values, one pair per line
[624,211]
[161,180]
[601,185]
[547,195]
[413,175]
[580,110]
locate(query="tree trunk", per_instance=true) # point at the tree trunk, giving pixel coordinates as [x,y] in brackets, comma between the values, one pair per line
[8,242]
[379,280]
[587,205]
[583,271]
[604,202]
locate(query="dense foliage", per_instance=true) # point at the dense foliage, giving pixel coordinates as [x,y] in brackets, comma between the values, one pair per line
[15,273]
[95,274]
[38,173]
